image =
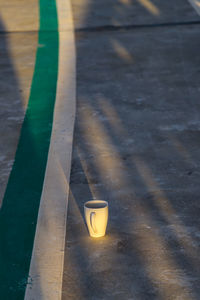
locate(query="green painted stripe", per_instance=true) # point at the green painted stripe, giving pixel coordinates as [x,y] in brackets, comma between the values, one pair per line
[18,216]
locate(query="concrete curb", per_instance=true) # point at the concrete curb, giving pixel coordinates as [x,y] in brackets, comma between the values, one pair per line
[46,269]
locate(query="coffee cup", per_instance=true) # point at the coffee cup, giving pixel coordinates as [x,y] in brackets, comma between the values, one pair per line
[96,216]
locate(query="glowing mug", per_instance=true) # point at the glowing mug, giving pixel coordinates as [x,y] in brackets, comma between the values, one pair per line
[96,216]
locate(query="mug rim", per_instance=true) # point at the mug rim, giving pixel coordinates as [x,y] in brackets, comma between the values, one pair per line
[96,201]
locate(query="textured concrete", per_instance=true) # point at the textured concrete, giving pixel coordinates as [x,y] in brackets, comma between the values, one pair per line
[18,45]
[136,144]
[17,62]
[89,13]
[19,15]
[46,268]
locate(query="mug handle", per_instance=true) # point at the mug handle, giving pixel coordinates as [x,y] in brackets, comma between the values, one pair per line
[92,222]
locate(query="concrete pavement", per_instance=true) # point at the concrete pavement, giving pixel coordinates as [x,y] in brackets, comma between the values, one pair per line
[136,145]
[34,204]
[18,49]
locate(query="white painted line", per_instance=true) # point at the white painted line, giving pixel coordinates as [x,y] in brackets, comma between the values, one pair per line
[196,5]
[46,269]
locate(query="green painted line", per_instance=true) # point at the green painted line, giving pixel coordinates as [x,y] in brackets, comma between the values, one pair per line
[18,215]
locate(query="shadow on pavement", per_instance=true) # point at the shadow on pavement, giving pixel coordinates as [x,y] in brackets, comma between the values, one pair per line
[16,247]
[30,140]
[12,112]
[136,144]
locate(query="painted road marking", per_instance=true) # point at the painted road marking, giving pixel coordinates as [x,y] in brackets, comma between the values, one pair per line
[46,270]
[18,214]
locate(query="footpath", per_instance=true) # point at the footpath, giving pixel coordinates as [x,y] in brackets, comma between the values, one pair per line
[136,145]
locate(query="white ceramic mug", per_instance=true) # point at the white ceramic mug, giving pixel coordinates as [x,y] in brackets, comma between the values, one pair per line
[96,216]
